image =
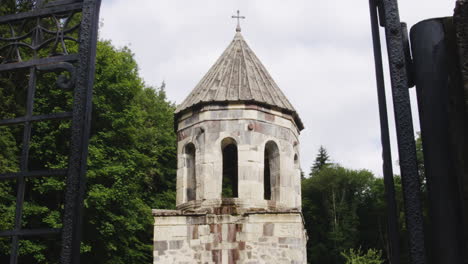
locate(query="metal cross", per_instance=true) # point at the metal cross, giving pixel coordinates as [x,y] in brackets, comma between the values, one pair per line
[239,17]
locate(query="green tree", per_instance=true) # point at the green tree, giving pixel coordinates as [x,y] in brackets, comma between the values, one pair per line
[131,166]
[321,161]
[332,200]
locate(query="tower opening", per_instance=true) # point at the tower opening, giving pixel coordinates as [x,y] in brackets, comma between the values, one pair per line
[191,188]
[271,172]
[230,169]
[296,162]
[266,178]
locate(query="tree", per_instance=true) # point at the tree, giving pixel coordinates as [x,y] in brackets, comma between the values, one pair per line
[131,165]
[321,161]
[332,202]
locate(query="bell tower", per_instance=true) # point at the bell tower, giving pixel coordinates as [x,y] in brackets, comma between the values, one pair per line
[238,175]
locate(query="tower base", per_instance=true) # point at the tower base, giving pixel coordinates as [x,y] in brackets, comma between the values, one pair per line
[252,237]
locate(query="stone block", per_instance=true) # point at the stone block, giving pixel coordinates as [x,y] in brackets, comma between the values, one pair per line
[288,230]
[170,220]
[160,247]
[176,244]
[217,256]
[195,242]
[268,229]
[290,240]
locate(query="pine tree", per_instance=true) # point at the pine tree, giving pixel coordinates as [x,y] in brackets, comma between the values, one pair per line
[321,161]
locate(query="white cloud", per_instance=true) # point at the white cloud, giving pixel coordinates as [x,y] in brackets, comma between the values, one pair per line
[319,53]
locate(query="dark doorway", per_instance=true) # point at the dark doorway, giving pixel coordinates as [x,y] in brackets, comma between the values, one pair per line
[229,170]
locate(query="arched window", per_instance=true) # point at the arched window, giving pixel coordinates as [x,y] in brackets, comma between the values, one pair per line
[296,162]
[230,169]
[191,172]
[271,172]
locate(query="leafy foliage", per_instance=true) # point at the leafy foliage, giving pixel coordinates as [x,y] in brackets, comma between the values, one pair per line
[353,256]
[345,210]
[332,203]
[132,162]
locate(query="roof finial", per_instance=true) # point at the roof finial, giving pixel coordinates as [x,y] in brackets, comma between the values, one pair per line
[239,17]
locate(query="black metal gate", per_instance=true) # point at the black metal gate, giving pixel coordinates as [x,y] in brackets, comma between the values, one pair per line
[36,43]
[434,60]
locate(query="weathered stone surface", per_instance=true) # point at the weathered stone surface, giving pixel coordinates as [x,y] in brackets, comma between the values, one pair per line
[268,229]
[251,144]
[248,238]
[176,244]
[160,247]
[236,105]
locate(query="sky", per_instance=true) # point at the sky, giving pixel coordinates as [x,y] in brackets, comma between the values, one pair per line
[318,52]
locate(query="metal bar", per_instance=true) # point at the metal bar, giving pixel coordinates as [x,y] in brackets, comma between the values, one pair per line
[74,195]
[436,78]
[405,131]
[20,120]
[460,22]
[393,233]
[60,2]
[42,12]
[33,174]
[30,232]
[24,164]
[34,62]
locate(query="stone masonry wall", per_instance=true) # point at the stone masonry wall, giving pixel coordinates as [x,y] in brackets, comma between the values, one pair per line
[252,238]
[251,127]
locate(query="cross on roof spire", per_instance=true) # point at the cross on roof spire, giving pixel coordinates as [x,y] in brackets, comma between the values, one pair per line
[239,17]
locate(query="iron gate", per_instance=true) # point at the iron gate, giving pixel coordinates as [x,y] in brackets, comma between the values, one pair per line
[38,42]
[434,61]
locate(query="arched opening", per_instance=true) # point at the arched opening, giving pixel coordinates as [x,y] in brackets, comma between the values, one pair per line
[296,162]
[271,172]
[191,172]
[230,168]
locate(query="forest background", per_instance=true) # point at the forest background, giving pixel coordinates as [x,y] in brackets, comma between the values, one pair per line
[131,170]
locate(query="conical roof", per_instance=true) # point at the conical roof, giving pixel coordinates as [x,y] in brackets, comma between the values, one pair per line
[239,76]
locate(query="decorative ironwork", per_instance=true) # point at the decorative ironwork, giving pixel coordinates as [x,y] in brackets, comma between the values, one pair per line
[21,36]
[41,40]
[399,66]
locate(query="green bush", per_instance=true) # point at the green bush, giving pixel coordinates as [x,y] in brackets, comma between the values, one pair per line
[357,256]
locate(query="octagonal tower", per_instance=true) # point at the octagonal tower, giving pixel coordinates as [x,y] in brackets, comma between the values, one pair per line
[238,175]
[238,138]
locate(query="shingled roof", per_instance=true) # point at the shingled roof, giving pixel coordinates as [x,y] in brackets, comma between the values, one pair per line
[239,76]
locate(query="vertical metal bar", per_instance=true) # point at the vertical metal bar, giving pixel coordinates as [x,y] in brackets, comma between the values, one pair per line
[460,22]
[71,235]
[405,131]
[393,233]
[24,164]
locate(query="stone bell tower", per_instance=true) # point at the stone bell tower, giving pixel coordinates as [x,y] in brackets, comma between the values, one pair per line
[238,176]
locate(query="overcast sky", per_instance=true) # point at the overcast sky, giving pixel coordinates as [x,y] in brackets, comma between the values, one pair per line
[319,53]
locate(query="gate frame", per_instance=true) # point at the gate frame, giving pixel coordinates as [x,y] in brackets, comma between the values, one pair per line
[83,79]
